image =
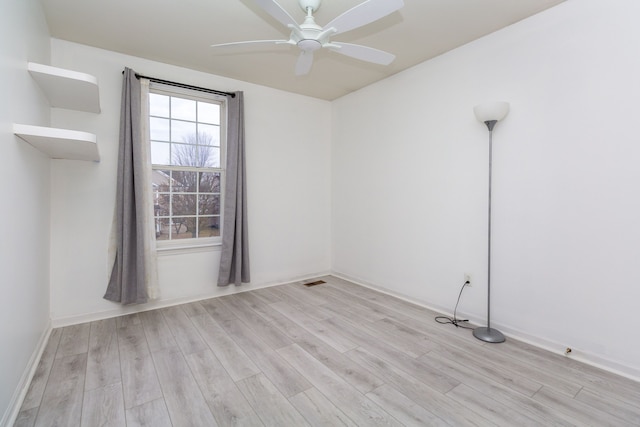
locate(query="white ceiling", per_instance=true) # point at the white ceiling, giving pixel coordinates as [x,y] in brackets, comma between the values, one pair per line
[180,32]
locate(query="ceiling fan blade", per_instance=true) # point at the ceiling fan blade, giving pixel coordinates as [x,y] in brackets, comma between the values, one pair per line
[274,9]
[363,14]
[363,53]
[249,45]
[303,65]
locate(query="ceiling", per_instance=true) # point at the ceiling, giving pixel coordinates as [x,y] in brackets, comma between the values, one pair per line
[180,32]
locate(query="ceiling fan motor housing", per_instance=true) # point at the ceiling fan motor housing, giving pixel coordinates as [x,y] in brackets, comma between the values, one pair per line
[309,36]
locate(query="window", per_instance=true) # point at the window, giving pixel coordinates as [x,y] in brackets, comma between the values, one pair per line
[187,140]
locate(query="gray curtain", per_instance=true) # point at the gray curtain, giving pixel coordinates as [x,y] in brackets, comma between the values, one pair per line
[127,284]
[234,259]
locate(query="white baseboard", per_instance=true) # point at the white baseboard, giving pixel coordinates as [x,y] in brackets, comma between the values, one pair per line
[59,322]
[577,354]
[10,415]
[580,355]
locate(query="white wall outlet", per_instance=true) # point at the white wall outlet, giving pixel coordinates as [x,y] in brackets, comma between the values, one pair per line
[467,279]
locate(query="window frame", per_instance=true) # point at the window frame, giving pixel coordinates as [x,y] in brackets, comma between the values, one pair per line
[194,244]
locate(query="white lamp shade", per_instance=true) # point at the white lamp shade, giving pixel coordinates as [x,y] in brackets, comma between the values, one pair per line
[491,111]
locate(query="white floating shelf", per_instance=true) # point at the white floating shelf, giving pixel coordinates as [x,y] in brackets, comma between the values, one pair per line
[67,89]
[60,143]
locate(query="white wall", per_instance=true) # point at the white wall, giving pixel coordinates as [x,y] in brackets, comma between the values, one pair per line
[24,245]
[410,175]
[288,174]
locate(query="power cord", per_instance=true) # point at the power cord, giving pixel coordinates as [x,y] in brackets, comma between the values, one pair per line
[455,321]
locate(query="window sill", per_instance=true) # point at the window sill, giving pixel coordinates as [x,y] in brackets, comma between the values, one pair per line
[181,249]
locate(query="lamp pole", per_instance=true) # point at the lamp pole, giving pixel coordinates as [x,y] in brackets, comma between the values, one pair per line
[489,115]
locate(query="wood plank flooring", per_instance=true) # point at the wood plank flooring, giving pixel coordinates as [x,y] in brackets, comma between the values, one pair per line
[335,354]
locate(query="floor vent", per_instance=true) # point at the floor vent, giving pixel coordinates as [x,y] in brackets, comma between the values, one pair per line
[317,282]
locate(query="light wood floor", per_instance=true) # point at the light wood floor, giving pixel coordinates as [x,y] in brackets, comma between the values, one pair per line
[332,354]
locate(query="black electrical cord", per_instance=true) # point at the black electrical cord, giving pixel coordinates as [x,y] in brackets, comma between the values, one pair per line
[455,321]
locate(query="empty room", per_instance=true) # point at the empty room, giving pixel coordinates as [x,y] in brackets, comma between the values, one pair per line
[305,212]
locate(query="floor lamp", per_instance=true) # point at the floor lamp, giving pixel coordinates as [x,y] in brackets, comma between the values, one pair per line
[490,114]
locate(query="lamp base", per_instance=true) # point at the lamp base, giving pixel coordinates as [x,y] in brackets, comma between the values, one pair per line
[488,335]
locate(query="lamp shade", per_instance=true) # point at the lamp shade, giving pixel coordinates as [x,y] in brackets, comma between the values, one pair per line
[491,111]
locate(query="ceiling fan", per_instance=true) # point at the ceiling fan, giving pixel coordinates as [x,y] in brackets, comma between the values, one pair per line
[310,37]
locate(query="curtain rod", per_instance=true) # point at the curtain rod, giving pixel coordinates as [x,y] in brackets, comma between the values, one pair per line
[185,86]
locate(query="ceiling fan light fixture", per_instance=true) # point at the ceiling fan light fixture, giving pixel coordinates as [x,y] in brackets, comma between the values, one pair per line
[309,45]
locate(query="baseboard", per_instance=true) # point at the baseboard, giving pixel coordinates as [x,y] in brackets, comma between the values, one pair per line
[577,354]
[59,322]
[537,341]
[13,409]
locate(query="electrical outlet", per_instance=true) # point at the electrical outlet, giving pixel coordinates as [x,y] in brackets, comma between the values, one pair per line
[467,279]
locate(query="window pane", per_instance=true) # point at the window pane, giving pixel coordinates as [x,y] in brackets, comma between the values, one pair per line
[158,105]
[160,153]
[160,180]
[210,156]
[185,181]
[209,227]
[186,155]
[209,182]
[184,109]
[209,204]
[183,204]
[158,129]
[183,228]
[183,132]
[162,228]
[209,135]
[162,204]
[208,113]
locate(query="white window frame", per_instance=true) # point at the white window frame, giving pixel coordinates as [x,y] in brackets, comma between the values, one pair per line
[196,244]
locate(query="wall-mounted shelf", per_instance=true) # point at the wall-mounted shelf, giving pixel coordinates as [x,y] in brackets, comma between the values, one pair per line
[67,89]
[64,89]
[60,143]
